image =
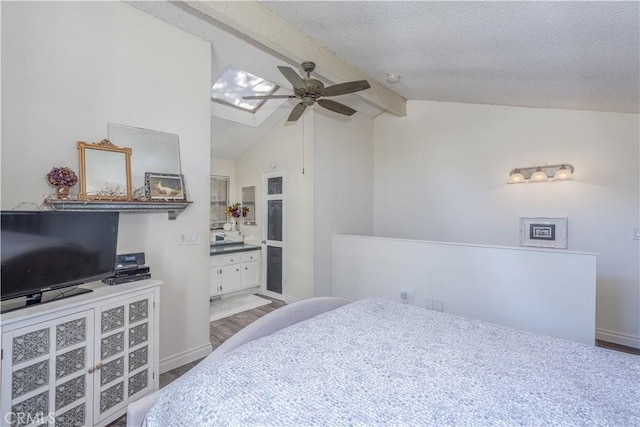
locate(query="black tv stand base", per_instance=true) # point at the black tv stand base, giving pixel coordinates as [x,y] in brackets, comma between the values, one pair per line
[41,298]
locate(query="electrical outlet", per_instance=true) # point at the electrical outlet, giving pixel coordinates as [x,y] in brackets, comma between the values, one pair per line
[403,297]
[636,233]
[438,305]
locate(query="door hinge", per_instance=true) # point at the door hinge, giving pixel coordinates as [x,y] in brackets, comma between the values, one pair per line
[154,305]
[2,354]
[153,375]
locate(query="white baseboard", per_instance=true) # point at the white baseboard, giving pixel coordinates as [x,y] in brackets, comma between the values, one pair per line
[289,299]
[286,298]
[618,338]
[185,357]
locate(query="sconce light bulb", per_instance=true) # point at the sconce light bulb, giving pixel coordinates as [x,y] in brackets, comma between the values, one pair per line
[539,175]
[516,177]
[563,173]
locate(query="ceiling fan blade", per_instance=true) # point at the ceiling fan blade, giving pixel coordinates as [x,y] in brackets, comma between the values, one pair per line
[337,107]
[296,112]
[293,77]
[268,96]
[348,87]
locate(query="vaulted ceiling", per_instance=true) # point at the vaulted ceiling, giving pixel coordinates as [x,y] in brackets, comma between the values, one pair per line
[559,54]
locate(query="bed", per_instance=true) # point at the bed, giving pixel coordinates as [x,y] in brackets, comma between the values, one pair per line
[375,362]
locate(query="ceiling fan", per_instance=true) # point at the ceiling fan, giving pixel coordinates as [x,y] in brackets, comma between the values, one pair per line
[310,91]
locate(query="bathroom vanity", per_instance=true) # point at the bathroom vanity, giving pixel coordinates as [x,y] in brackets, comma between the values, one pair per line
[235,267]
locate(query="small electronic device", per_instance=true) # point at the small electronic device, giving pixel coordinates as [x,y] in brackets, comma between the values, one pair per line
[117,280]
[127,261]
[129,268]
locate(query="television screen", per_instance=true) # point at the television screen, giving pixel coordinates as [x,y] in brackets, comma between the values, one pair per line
[45,250]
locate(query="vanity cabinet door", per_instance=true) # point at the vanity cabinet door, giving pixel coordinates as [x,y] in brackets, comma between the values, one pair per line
[250,269]
[231,278]
[250,274]
[230,272]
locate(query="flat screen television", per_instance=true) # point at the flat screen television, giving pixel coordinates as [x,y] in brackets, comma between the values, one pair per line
[46,251]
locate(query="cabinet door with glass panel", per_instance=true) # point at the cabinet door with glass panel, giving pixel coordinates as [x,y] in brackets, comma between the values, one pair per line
[219,200]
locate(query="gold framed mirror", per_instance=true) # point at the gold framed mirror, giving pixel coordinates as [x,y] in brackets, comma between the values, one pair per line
[105,171]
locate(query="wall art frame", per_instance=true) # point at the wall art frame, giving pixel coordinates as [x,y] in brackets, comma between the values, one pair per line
[544,232]
[164,186]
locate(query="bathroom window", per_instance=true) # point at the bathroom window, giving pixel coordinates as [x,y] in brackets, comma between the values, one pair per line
[219,201]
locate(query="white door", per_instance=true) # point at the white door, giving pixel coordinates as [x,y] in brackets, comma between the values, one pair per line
[274,233]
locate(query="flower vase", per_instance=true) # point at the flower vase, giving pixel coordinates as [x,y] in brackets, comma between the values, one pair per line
[233,224]
[62,192]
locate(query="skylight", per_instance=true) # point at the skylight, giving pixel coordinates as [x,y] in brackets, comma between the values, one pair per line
[234,83]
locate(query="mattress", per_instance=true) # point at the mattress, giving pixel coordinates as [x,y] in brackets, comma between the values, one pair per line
[376,362]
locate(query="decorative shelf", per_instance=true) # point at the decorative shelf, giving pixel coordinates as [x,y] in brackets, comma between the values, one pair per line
[173,208]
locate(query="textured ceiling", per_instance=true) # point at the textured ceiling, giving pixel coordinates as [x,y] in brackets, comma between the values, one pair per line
[571,55]
[231,139]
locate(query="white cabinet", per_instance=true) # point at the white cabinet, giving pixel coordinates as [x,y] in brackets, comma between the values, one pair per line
[83,362]
[230,273]
[250,270]
[226,275]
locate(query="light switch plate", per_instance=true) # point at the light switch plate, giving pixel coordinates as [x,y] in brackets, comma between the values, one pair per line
[188,238]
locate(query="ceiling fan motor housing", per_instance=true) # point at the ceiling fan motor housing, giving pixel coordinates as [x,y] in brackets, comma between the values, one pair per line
[314,89]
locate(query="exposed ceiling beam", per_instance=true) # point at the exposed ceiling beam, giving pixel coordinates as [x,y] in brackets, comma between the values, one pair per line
[262,27]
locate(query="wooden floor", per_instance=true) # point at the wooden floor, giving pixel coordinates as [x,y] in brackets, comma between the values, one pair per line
[618,347]
[221,330]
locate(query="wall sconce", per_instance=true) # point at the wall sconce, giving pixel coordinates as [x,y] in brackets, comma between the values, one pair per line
[561,172]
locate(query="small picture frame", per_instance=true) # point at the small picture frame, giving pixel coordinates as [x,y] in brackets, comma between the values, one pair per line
[164,186]
[543,232]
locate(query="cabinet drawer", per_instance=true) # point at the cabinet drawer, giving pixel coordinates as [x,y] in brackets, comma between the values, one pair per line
[230,259]
[251,256]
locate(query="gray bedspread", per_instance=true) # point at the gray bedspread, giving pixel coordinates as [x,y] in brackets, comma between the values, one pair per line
[376,362]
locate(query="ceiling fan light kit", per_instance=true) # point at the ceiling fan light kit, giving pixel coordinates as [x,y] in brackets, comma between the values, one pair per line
[311,91]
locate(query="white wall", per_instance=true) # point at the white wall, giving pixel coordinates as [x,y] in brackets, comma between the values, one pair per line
[68,68]
[293,152]
[224,167]
[343,186]
[334,194]
[440,174]
[543,291]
